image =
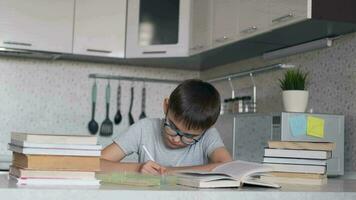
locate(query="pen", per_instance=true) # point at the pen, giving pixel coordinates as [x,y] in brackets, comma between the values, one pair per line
[148,153]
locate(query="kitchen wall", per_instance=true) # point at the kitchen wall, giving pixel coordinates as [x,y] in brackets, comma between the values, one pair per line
[43,96]
[332,89]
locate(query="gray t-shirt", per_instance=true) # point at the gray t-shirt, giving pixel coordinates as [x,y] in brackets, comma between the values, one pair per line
[148,132]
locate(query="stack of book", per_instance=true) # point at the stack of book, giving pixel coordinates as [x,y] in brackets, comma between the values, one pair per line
[297,162]
[40,159]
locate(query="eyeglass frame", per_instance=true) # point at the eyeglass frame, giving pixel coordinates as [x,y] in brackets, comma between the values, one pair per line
[168,123]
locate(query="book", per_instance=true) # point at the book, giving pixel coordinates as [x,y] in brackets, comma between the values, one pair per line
[48,182]
[291,153]
[50,162]
[27,173]
[54,139]
[298,161]
[297,175]
[132,179]
[53,151]
[296,180]
[232,174]
[324,146]
[297,168]
[56,146]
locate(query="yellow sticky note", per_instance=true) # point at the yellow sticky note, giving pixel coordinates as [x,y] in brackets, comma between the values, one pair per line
[315,127]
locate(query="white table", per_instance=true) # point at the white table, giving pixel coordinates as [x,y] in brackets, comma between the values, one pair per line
[334,190]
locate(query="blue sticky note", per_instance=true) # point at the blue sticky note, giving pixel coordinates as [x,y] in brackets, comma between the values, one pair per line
[298,125]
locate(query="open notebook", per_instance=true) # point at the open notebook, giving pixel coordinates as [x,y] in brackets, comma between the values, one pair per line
[232,174]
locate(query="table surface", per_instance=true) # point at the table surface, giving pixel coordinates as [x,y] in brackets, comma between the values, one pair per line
[335,189]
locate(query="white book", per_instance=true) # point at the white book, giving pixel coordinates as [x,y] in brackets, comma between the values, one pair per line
[297,161]
[27,173]
[56,146]
[54,139]
[49,151]
[289,153]
[314,169]
[299,181]
[47,182]
[232,174]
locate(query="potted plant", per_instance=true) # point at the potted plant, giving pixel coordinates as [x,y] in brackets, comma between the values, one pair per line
[295,94]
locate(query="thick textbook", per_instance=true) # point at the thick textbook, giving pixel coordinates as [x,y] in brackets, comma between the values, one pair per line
[50,162]
[291,153]
[297,161]
[54,139]
[314,169]
[325,146]
[232,174]
[48,182]
[56,146]
[28,173]
[53,151]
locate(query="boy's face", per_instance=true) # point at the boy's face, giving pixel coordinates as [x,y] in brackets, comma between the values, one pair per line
[172,139]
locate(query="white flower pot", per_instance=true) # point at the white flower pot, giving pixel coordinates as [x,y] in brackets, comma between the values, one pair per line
[295,100]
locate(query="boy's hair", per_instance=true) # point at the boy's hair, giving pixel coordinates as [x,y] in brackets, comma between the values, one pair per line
[195,103]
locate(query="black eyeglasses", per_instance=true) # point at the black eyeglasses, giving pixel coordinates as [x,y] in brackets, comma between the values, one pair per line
[186,138]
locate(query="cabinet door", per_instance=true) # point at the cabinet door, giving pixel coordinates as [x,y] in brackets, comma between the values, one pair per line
[253,17]
[100,27]
[201,26]
[158,28]
[284,12]
[44,25]
[224,21]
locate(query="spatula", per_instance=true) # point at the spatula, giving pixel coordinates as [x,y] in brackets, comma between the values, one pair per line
[143,103]
[93,125]
[118,116]
[107,126]
[131,120]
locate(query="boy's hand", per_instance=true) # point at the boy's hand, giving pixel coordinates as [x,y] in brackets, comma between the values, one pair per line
[153,168]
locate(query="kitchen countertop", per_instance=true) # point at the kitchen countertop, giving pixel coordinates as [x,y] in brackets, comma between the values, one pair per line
[335,189]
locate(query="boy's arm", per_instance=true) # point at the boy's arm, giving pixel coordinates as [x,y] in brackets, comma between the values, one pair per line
[217,157]
[113,154]
[111,157]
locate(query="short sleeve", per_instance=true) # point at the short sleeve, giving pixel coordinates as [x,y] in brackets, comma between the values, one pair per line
[129,140]
[211,141]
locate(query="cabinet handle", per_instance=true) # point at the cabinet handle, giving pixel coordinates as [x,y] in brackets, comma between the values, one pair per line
[198,47]
[223,39]
[201,47]
[283,18]
[250,29]
[98,51]
[154,52]
[17,43]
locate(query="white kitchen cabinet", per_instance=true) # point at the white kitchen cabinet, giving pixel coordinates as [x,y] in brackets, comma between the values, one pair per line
[158,28]
[100,28]
[201,26]
[253,18]
[225,21]
[43,25]
[285,12]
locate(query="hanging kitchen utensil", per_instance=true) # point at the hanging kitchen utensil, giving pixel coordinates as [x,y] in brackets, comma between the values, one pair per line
[93,125]
[131,120]
[118,116]
[143,103]
[106,128]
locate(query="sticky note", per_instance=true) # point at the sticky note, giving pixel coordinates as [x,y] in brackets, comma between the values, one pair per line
[315,127]
[298,125]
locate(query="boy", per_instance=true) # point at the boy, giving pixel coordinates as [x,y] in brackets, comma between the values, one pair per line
[184,140]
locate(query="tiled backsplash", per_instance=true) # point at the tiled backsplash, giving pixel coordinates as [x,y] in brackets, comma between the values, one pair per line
[55,96]
[332,85]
